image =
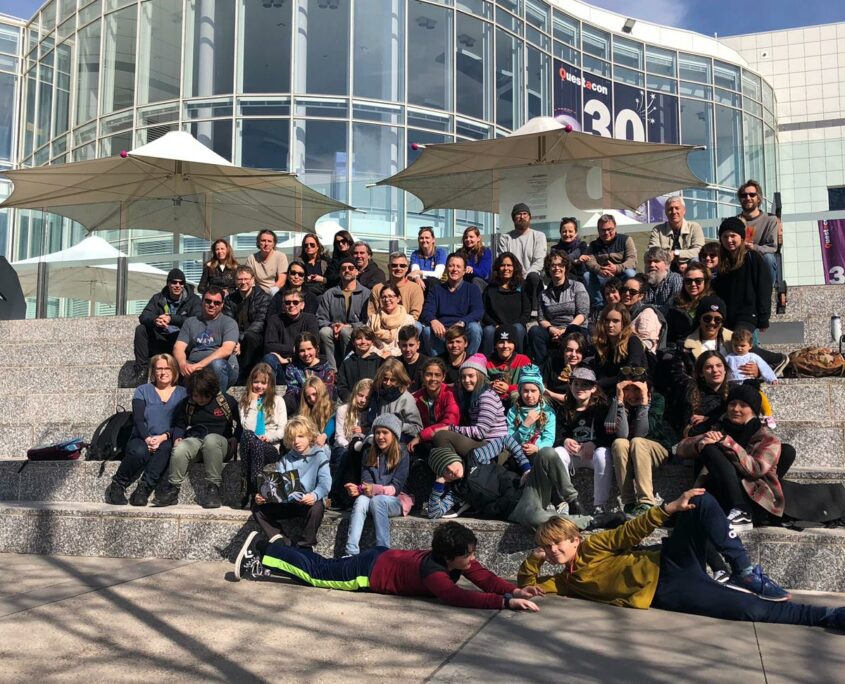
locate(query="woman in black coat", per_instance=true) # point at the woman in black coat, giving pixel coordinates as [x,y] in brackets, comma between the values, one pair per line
[342,248]
[505,302]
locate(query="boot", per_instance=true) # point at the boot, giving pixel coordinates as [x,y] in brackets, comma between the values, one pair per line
[116,494]
[141,495]
[246,494]
[168,496]
[212,497]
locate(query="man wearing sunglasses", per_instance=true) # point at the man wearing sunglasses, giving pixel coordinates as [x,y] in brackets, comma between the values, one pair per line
[761,229]
[161,320]
[283,327]
[209,339]
[341,308]
[681,238]
[248,306]
[412,294]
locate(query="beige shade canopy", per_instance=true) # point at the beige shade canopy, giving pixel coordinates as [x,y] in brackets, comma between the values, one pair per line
[173,184]
[592,171]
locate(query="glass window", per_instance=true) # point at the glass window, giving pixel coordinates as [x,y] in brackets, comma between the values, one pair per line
[508,71]
[320,156]
[66,29]
[115,123]
[88,72]
[48,17]
[8,84]
[29,129]
[90,12]
[666,85]
[726,75]
[567,54]
[697,129]
[662,118]
[265,38]
[696,90]
[565,28]
[751,85]
[114,145]
[158,114]
[728,147]
[118,88]
[768,96]
[160,51]
[595,42]
[541,40]
[473,67]
[539,73]
[753,146]
[379,47]
[597,66]
[472,130]
[265,143]
[45,102]
[66,8]
[209,55]
[752,107]
[258,106]
[59,146]
[434,217]
[628,53]
[660,61]
[215,135]
[380,113]
[62,114]
[508,21]
[480,8]
[429,48]
[323,54]
[431,120]
[694,68]
[209,109]
[376,154]
[537,14]
[728,98]
[323,107]
[628,76]
[9,38]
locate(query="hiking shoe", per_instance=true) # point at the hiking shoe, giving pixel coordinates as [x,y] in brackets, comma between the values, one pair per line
[758,583]
[116,494]
[248,563]
[141,495]
[212,497]
[168,496]
[721,576]
[607,521]
[575,507]
[740,521]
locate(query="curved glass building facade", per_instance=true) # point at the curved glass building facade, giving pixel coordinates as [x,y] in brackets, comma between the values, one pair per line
[337,90]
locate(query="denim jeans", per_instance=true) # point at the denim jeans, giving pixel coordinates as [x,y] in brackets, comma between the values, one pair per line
[382,508]
[771,261]
[433,345]
[227,373]
[277,366]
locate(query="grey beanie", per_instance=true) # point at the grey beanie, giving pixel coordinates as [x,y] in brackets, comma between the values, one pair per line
[390,422]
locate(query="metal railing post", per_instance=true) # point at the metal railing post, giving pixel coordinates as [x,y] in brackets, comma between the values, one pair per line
[121,286]
[41,289]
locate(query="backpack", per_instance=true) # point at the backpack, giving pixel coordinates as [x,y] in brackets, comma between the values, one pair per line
[817,362]
[491,490]
[111,437]
[232,451]
[68,450]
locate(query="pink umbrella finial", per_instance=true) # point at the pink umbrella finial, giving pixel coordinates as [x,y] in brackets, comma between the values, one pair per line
[124,154]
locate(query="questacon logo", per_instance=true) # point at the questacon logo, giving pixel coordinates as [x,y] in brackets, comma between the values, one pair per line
[828,242]
[577,80]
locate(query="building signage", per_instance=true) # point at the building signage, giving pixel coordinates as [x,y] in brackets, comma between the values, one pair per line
[832,237]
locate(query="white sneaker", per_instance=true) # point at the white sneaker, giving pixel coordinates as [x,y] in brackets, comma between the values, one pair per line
[456,512]
[740,521]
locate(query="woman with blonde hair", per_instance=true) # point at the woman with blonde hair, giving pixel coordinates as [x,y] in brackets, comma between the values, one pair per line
[316,403]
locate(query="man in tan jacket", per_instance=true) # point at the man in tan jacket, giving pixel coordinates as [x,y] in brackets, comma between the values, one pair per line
[681,238]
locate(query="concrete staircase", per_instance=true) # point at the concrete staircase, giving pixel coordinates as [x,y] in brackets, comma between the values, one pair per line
[62,377]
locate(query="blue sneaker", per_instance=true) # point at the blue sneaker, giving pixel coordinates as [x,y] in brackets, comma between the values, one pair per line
[758,583]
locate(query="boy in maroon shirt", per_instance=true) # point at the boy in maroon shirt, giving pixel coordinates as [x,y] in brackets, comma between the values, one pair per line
[392,571]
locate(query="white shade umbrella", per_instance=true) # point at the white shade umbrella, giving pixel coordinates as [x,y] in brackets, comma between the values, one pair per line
[94,282]
[173,184]
[622,220]
[577,171]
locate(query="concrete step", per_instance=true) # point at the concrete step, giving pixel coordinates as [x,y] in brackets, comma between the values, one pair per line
[64,350]
[87,328]
[810,560]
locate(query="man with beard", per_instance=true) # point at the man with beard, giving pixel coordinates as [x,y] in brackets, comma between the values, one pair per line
[247,305]
[761,229]
[663,284]
[530,248]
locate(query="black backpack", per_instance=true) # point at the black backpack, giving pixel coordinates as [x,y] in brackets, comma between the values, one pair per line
[111,437]
[491,490]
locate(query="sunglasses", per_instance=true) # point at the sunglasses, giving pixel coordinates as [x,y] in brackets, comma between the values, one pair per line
[629,290]
[396,267]
[310,244]
[348,268]
[176,282]
[341,241]
[301,274]
[633,371]
[747,194]
[694,281]
[709,318]
[292,302]
[212,302]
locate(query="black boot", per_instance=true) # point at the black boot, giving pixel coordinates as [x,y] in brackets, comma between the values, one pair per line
[116,494]
[246,493]
[168,496]
[141,495]
[212,497]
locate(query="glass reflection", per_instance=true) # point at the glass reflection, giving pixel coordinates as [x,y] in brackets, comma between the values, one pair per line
[264,64]
[323,54]
[160,52]
[378,49]
[119,61]
[429,55]
[210,54]
[473,64]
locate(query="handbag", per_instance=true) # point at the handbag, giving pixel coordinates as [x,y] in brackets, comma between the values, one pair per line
[278,487]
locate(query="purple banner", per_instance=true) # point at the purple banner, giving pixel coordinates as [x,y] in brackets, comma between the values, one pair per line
[832,236]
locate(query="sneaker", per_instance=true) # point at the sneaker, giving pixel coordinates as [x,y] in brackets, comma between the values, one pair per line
[758,583]
[780,366]
[628,509]
[640,508]
[456,512]
[141,495]
[248,563]
[721,576]
[599,510]
[116,495]
[212,497]
[740,521]
[575,507]
[168,496]
[607,521]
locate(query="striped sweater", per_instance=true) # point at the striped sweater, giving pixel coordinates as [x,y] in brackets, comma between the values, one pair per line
[485,419]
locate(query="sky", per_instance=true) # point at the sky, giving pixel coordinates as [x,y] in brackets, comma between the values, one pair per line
[704,16]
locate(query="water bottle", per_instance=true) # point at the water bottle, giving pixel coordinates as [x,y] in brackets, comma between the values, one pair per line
[835,328]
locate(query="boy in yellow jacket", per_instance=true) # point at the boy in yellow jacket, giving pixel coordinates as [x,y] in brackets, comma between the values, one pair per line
[606,567]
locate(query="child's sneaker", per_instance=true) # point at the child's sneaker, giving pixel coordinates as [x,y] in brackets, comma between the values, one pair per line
[248,563]
[740,521]
[758,583]
[456,512]
[721,576]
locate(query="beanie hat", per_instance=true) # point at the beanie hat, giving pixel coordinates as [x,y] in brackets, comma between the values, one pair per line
[176,274]
[390,422]
[520,207]
[749,393]
[711,304]
[733,224]
[478,362]
[530,375]
[441,458]
[348,260]
[505,332]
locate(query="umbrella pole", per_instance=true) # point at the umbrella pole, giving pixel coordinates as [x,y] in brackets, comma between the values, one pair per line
[121,275]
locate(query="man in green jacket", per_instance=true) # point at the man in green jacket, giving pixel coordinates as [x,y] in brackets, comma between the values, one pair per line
[606,567]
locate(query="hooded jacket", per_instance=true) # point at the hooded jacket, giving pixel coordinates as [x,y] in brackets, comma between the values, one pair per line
[189,305]
[445,411]
[313,469]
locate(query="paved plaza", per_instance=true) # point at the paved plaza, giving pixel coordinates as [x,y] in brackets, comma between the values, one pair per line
[88,620]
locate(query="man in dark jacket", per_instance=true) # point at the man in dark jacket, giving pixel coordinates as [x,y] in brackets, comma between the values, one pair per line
[369,274]
[247,305]
[610,256]
[161,320]
[283,328]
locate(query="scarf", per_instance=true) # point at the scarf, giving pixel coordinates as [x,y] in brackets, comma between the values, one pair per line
[385,324]
[260,421]
[379,399]
[741,434]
